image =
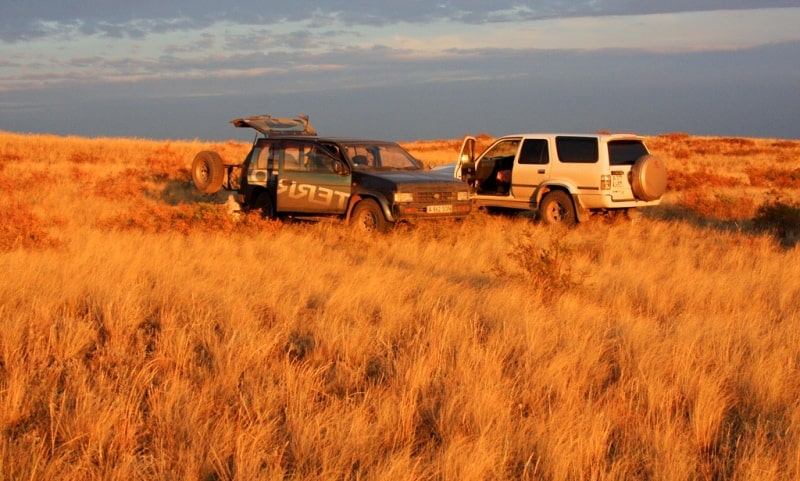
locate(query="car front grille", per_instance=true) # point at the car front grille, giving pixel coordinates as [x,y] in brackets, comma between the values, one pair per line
[433,197]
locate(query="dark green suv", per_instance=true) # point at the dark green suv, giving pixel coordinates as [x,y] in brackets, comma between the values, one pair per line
[290,171]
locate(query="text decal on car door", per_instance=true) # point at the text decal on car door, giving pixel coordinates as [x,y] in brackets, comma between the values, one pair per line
[316,195]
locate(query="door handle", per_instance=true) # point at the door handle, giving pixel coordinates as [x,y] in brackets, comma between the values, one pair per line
[540,171]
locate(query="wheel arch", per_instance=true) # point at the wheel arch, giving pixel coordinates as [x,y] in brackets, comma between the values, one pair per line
[581,212]
[380,199]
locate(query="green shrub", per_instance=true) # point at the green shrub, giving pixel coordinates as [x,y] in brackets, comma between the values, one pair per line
[546,265]
[780,218]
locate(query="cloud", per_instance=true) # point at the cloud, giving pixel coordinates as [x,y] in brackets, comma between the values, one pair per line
[374,56]
[265,39]
[21,21]
[744,93]
[406,55]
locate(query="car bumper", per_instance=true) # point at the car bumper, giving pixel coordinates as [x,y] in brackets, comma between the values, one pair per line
[423,211]
[608,202]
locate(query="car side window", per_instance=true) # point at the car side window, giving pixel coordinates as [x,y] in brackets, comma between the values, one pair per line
[320,160]
[534,151]
[504,148]
[577,150]
[263,157]
[259,158]
[290,157]
[302,157]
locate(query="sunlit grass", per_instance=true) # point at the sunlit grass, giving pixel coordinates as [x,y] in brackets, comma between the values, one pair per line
[146,334]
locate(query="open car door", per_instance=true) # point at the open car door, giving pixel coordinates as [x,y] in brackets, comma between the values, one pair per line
[268,125]
[465,165]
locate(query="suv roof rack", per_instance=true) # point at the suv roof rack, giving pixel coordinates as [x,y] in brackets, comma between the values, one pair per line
[270,126]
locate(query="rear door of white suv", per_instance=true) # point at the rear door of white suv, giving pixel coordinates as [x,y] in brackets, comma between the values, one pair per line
[622,155]
[531,168]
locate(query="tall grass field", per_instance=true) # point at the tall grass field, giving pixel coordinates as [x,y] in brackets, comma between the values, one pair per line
[147,334]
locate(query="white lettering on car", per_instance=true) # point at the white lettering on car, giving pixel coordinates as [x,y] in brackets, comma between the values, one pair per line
[342,198]
[323,196]
[298,191]
[317,195]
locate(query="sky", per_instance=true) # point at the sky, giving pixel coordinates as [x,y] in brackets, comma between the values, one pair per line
[401,69]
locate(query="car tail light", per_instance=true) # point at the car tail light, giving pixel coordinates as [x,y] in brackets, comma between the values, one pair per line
[605,182]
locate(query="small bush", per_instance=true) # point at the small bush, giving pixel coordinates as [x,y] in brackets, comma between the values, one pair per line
[84,157]
[718,206]
[781,219]
[762,177]
[20,227]
[679,180]
[186,219]
[681,154]
[124,186]
[167,164]
[548,268]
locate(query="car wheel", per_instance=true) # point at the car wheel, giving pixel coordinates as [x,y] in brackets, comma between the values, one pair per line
[633,215]
[367,216]
[557,208]
[649,178]
[265,205]
[207,172]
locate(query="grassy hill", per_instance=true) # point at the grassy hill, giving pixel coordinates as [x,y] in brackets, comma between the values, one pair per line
[146,334]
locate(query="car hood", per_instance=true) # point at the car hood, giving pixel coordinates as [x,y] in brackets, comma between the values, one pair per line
[408,176]
[408,180]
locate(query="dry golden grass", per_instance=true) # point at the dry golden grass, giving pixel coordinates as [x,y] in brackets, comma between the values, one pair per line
[438,152]
[147,335]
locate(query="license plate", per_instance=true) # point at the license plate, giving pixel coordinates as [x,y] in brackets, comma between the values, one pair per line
[617,180]
[439,209]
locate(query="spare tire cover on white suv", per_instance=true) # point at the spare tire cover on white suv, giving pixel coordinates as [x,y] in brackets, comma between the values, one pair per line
[649,180]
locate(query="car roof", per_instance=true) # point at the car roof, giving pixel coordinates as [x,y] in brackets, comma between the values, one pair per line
[567,134]
[338,140]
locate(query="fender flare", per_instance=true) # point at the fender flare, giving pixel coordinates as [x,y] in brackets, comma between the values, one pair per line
[581,212]
[380,199]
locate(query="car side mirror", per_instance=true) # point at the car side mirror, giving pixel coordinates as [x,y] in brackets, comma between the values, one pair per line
[340,168]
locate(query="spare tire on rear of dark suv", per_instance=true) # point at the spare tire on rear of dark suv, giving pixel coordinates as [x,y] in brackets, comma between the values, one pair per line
[649,178]
[208,173]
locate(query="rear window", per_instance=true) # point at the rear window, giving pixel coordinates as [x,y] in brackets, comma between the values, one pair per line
[577,150]
[625,152]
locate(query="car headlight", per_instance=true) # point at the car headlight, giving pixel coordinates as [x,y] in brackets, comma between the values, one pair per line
[403,197]
[463,195]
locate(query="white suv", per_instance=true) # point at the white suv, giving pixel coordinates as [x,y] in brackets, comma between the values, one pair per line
[563,177]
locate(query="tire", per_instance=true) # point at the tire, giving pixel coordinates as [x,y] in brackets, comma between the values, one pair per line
[208,172]
[633,215]
[265,205]
[367,216]
[556,208]
[649,178]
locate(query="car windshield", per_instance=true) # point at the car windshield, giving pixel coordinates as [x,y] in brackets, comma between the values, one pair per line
[372,156]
